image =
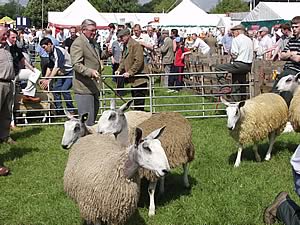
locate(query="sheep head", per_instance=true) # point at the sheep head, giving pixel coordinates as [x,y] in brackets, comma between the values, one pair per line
[233,111]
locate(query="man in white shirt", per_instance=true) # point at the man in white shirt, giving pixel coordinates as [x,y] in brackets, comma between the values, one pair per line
[242,56]
[200,45]
[265,44]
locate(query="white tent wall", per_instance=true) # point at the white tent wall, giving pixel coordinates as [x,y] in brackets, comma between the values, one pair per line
[266,11]
[78,11]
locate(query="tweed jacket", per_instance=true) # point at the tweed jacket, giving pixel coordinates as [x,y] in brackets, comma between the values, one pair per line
[167,51]
[132,62]
[85,58]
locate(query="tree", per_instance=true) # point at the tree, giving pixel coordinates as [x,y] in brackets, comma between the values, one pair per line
[11,9]
[227,6]
[159,6]
[34,9]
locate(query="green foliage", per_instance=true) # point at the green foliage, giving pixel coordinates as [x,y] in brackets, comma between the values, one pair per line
[219,194]
[159,6]
[11,9]
[227,6]
[34,9]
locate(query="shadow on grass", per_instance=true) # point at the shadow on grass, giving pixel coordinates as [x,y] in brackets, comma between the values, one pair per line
[248,154]
[136,219]
[16,153]
[174,189]
[26,133]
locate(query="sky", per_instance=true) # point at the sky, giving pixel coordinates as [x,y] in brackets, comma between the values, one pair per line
[205,4]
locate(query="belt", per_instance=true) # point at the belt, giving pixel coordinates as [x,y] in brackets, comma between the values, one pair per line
[243,62]
[5,81]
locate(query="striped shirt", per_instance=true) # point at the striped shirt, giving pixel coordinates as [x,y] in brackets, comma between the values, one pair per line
[294,46]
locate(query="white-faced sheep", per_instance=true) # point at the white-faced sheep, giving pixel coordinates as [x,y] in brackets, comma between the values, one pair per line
[291,83]
[76,128]
[255,119]
[176,140]
[102,177]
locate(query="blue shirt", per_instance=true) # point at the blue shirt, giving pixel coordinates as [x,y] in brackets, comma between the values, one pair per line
[227,41]
[41,51]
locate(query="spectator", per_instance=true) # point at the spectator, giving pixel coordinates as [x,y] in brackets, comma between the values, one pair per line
[181,52]
[61,37]
[167,55]
[265,43]
[200,45]
[59,65]
[283,40]
[28,74]
[132,63]
[283,208]
[211,41]
[7,75]
[219,41]
[291,54]
[227,42]
[242,56]
[112,35]
[69,41]
[86,57]
[48,34]
[117,48]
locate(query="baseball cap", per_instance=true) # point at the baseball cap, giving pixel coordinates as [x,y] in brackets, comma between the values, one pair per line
[238,27]
[263,29]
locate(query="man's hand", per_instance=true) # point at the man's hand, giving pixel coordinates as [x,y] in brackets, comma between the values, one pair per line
[95,75]
[294,57]
[44,84]
[126,75]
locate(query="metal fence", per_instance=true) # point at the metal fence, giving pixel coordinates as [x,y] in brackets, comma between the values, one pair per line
[198,97]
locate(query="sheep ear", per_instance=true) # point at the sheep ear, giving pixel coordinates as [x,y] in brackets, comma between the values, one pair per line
[138,136]
[112,104]
[223,100]
[69,115]
[156,134]
[126,106]
[241,104]
[297,76]
[84,117]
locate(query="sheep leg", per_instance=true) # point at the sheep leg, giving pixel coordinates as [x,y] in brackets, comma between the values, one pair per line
[151,191]
[255,149]
[272,137]
[185,175]
[44,118]
[161,185]
[25,120]
[238,157]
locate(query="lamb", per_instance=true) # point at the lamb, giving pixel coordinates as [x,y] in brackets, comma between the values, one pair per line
[291,83]
[76,128]
[253,120]
[177,141]
[102,177]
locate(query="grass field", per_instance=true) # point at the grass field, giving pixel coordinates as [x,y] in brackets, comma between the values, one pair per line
[220,194]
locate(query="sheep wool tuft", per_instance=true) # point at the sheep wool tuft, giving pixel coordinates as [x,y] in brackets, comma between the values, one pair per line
[260,116]
[94,178]
[134,118]
[176,139]
[294,111]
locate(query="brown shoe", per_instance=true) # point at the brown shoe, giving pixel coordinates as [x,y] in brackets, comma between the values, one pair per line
[4,171]
[27,98]
[8,140]
[271,210]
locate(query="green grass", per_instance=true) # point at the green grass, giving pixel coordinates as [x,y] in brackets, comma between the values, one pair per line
[220,194]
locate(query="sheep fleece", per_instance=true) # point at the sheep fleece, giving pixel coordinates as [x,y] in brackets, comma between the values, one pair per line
[176,139]
[294,111]
[259,116]
[94,178]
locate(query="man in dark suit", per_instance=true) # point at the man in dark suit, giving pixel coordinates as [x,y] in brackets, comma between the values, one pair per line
[86,57]
[132,64]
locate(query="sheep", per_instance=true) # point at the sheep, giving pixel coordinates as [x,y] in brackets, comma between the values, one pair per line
[177,141]
[253,120]
[291,83]
[76,128]
[102,177]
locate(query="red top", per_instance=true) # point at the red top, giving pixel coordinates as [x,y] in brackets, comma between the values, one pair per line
[178,61]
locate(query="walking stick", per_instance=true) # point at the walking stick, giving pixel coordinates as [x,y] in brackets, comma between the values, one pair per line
[116,93]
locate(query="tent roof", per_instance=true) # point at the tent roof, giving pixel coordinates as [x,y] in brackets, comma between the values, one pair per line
[265,11]
[187,13]
[78,11]
[6,19]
